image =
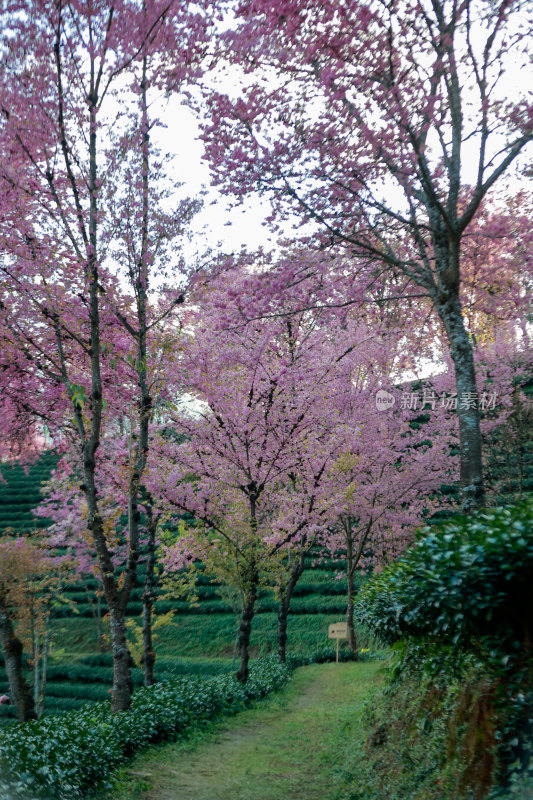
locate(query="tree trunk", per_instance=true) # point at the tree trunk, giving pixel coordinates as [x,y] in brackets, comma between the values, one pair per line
[471,464]
[21,696]
[351,564]
[36,674]
[245,628]
[116,602]
[284,607]
[99,632]
[352,639]
[249,584]
[148,657]
[42,670]
[122,662]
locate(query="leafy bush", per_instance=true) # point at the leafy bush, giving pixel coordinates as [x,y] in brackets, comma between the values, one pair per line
[462,594]
[60,757]
[427,739]
[173,669]
[466,579]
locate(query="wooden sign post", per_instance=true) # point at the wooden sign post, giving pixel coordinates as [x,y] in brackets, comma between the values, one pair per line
[339,630]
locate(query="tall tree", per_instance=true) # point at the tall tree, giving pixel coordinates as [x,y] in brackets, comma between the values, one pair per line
[387,126]
[387,478]
[250,458]
[67,74]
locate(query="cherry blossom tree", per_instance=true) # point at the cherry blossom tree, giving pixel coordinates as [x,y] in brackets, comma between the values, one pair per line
[74,87]
[385,127]
[281,402]
[248,459]
[390,474]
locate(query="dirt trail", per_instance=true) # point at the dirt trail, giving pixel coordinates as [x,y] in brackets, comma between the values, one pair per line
[297,745]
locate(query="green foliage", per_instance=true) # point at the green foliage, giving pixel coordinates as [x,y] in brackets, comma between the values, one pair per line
[459,600]
[61,757]
[136,637]
[428,739]
[327,654]
[466,579]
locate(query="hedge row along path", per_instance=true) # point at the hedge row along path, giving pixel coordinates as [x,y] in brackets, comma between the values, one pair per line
[299,744]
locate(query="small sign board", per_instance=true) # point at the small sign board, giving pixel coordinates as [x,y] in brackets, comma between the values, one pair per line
[339,630]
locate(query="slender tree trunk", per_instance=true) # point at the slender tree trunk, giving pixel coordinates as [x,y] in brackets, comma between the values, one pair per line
[36,675]
[116,602]
[140,451]
[352,560]
[245,629]
[88,420]
[250,583]
[471,464]
[148,657]
[352,639]
[350,564]
[90,437]
[21,695]
[285,604]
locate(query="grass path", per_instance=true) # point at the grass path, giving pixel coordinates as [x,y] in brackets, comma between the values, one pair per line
[299,744]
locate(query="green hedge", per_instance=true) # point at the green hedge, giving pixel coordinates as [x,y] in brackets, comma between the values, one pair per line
[81,691]
[463,592]
[61,757]
[467,579]
[101,670]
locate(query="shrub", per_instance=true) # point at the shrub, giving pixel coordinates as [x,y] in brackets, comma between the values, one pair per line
[427,739]
[459,595]
[465,580]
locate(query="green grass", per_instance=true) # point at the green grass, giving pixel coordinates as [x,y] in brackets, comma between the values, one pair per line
[296,745]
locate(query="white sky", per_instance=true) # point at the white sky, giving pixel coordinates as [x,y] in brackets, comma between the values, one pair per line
[217,224]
